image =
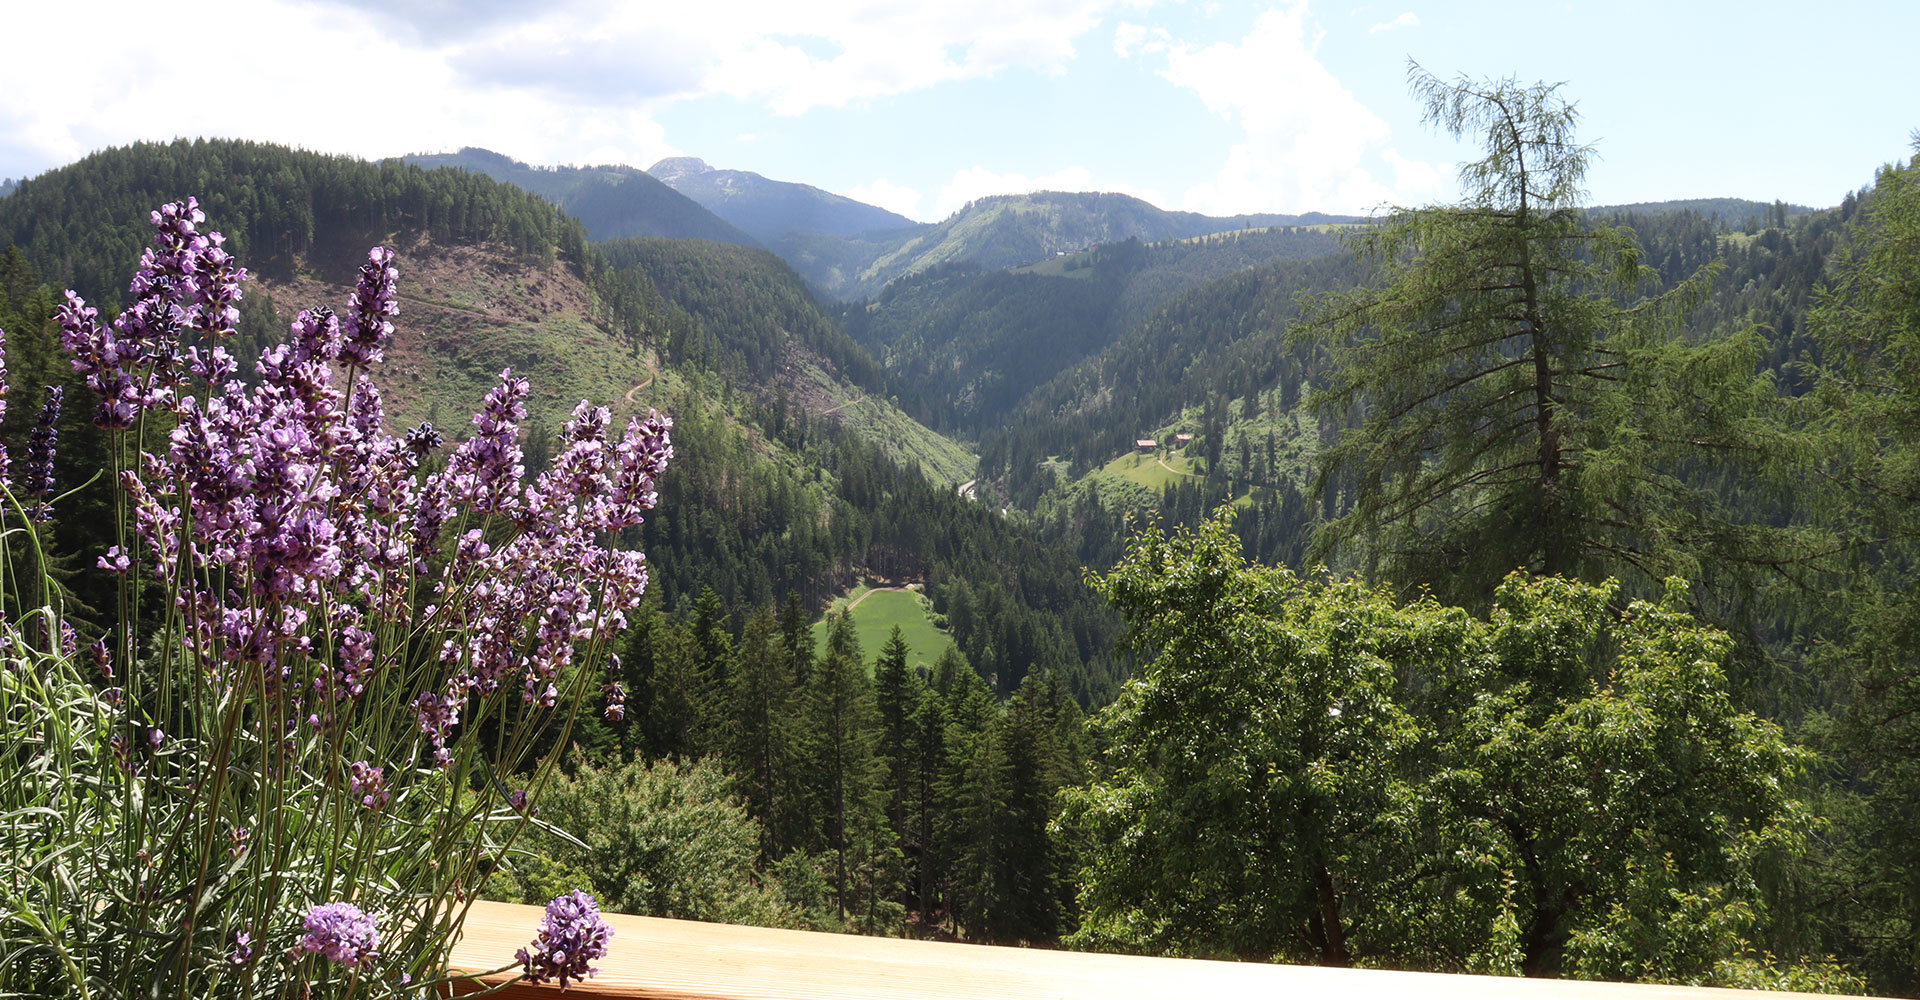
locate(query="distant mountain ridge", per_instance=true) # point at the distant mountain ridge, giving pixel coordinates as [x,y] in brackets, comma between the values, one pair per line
[610,201]
[770,209]
[1009,230]
[1737,213]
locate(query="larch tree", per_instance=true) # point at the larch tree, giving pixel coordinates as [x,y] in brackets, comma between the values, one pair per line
[1866,400]
[1518,402]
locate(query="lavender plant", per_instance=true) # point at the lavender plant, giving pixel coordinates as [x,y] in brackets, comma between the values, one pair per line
[340,667]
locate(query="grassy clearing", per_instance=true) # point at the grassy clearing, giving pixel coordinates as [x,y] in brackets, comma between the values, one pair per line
[875,617]
[1056,267]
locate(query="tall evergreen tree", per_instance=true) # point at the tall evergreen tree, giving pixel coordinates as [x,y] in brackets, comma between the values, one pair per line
[848,774]
[760,728]
[893,689]
[1523,405]
[1867,400]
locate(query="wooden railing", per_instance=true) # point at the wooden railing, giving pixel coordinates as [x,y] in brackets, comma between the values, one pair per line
[685,960]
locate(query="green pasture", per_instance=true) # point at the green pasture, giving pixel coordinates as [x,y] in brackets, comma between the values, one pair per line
[1147,470]
[875,617]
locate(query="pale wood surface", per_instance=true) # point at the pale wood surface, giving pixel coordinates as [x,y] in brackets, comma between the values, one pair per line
[686,960]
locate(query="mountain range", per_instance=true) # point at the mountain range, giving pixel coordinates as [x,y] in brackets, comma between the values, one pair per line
[610,201]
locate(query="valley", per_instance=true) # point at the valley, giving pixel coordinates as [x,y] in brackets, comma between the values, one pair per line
[1091,459]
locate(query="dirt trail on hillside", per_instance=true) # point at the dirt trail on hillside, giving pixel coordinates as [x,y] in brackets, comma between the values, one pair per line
[1177,472]
[870,593]
[651,375]
[851,402]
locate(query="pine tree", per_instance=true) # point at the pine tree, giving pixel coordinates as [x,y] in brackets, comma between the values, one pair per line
[971,782]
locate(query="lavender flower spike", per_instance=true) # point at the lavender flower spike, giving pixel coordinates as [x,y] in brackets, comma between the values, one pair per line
[36,480]
[572,935]
[367,326]
[341,932]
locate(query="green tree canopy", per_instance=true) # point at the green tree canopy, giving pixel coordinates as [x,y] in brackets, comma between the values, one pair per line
[1312,770]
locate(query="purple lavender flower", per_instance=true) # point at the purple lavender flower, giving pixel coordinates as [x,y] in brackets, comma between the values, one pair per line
[572,935]
[36,480]
[423,439]
[316,334]
[485,471]
[242,947]
[123,754]
[367,327]
[369,785]
[341,932]
[615,692]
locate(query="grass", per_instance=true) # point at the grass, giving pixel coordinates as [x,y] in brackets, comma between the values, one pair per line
[1147,470]
[1056,267]
[875,618]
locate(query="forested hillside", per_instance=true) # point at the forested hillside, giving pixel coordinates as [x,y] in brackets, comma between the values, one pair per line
[965,344]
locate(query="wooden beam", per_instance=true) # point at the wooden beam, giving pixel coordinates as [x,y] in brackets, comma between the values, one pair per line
[686,960]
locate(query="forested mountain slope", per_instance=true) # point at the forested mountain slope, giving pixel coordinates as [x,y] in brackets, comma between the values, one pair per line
[609,201]
[964,344]
[753,309]
[1215,361]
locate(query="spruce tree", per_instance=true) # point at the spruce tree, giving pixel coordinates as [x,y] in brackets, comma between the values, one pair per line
[760,730]
[848,775]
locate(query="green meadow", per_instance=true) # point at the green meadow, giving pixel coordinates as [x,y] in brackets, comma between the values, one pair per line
[875,614]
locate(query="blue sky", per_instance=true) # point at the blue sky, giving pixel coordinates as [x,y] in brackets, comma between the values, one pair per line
[1219,107]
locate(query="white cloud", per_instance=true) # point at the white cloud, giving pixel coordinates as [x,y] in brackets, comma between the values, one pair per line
[790,57]
[1407,20]
[303,74]
[1129,38]
[896,198]
[565,81]
[1307,143]
[979,182]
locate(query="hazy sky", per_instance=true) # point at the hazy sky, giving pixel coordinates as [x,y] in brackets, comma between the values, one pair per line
[1219,107]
